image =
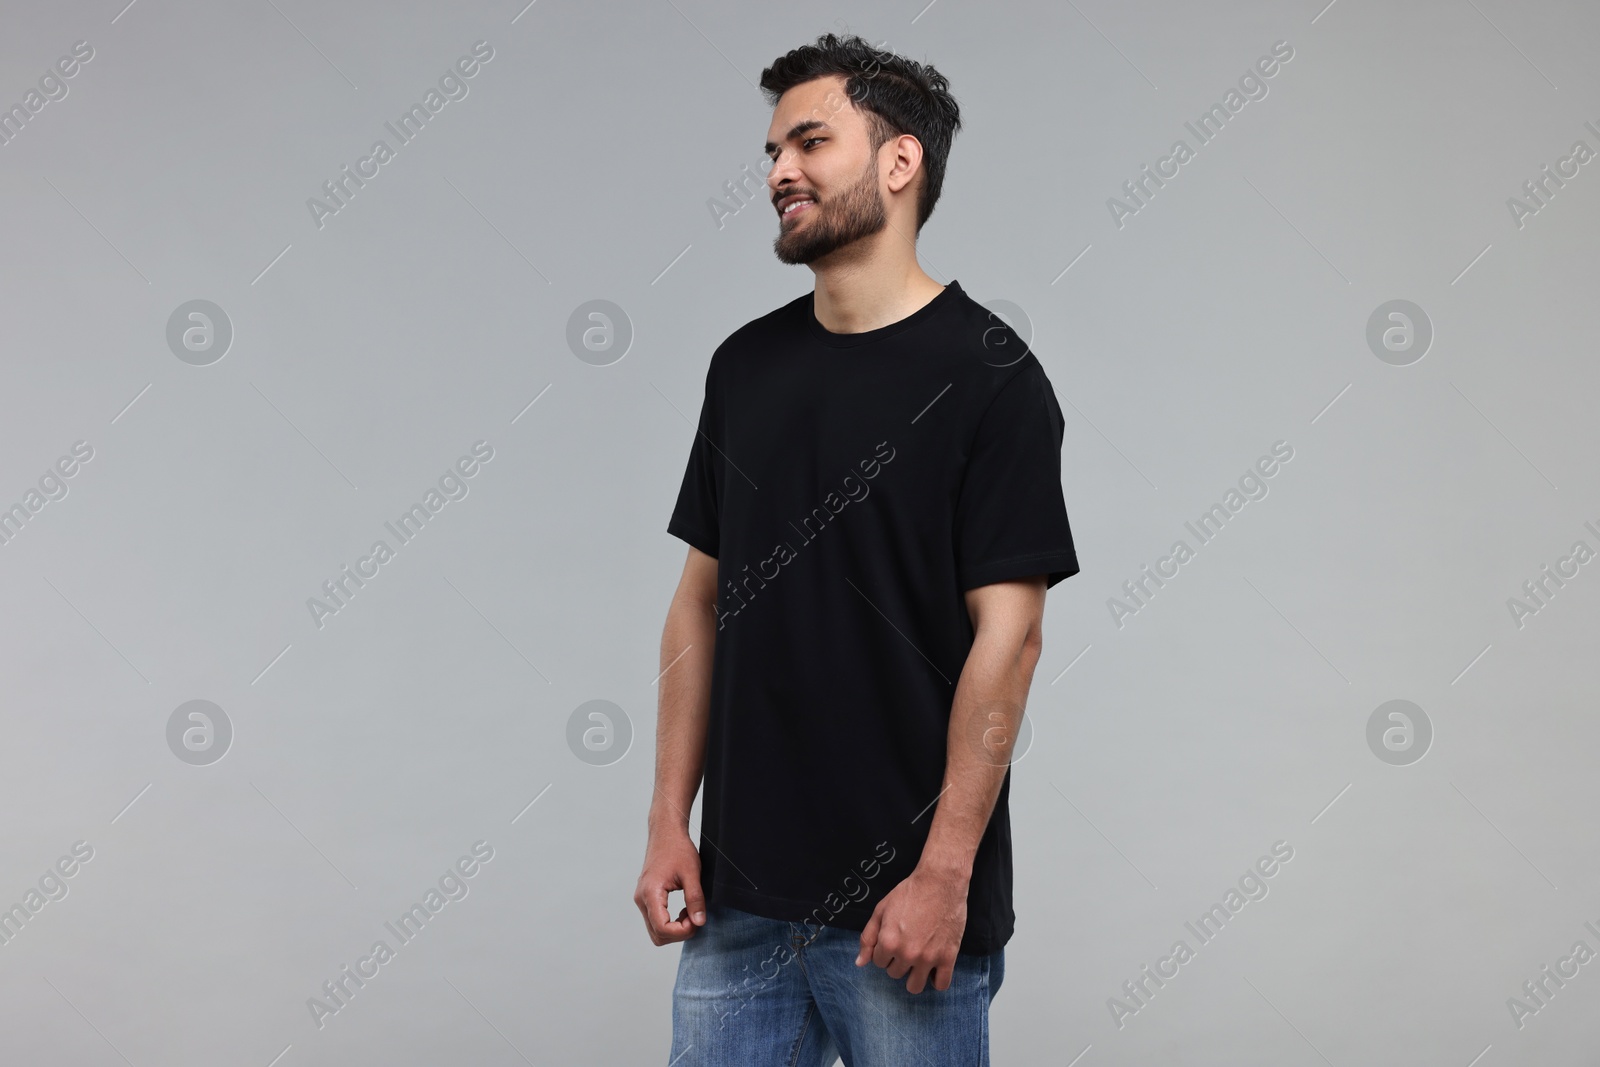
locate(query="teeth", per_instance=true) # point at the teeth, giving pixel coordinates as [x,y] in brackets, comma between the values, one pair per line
[796,204]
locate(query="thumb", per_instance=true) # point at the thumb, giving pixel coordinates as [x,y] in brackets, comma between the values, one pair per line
[869,937]
[694,899]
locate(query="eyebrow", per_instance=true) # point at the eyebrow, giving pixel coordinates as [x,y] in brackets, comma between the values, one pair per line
[796,130]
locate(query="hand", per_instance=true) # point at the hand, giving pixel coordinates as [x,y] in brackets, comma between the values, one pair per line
[670,862]
[916,928]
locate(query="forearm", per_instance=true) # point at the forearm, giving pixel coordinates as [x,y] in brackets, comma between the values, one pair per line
[984,720]
[688,641]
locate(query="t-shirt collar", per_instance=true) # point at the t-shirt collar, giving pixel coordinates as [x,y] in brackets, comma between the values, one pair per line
[852,340]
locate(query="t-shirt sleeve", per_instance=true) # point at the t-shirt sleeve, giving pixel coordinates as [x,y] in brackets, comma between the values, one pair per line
[695,517]
[1011,517]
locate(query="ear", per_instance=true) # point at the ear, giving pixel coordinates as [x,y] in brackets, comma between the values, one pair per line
[907,160]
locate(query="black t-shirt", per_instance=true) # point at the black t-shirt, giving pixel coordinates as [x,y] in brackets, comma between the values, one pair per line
[852,487]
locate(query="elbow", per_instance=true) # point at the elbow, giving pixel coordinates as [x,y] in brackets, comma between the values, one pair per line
[695,609]
[1033,643]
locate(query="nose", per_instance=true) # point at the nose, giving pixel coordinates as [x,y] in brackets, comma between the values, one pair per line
[783,171]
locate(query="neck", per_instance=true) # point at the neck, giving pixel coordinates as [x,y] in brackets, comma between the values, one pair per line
[858,300]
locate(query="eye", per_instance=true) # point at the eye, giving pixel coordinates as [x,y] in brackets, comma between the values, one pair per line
[773,155]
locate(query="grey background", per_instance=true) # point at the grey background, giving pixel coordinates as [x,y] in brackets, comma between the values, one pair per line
[433,710]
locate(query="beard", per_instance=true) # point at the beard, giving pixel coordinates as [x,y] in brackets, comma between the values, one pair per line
[855,213]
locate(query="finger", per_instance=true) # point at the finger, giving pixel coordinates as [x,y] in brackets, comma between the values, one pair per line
[662,925]
[651,902]
[660,914]
[919,980]
[869,939]
[682,927]
[892,955]
[674,930]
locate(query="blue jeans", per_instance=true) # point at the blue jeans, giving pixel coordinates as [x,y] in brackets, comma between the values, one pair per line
[758,992]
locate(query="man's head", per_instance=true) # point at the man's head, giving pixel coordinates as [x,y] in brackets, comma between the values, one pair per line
[863,135]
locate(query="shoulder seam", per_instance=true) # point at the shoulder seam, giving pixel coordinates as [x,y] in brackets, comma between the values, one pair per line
[984,414]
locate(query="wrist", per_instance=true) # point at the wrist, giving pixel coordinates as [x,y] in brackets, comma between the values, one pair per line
[667,822]
[949,865]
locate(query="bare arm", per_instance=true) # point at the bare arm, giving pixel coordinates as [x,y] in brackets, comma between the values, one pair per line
[916,929]
[688,641]
[1008,619]
[684,692]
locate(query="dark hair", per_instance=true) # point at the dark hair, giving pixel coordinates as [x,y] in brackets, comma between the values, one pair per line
[894,94]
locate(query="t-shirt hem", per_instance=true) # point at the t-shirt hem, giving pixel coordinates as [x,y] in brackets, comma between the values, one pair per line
[976,941]
[1055,565]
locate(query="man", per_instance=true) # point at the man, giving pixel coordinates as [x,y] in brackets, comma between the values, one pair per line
[874,511]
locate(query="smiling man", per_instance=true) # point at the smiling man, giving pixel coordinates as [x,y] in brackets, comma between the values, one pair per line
[874,512]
